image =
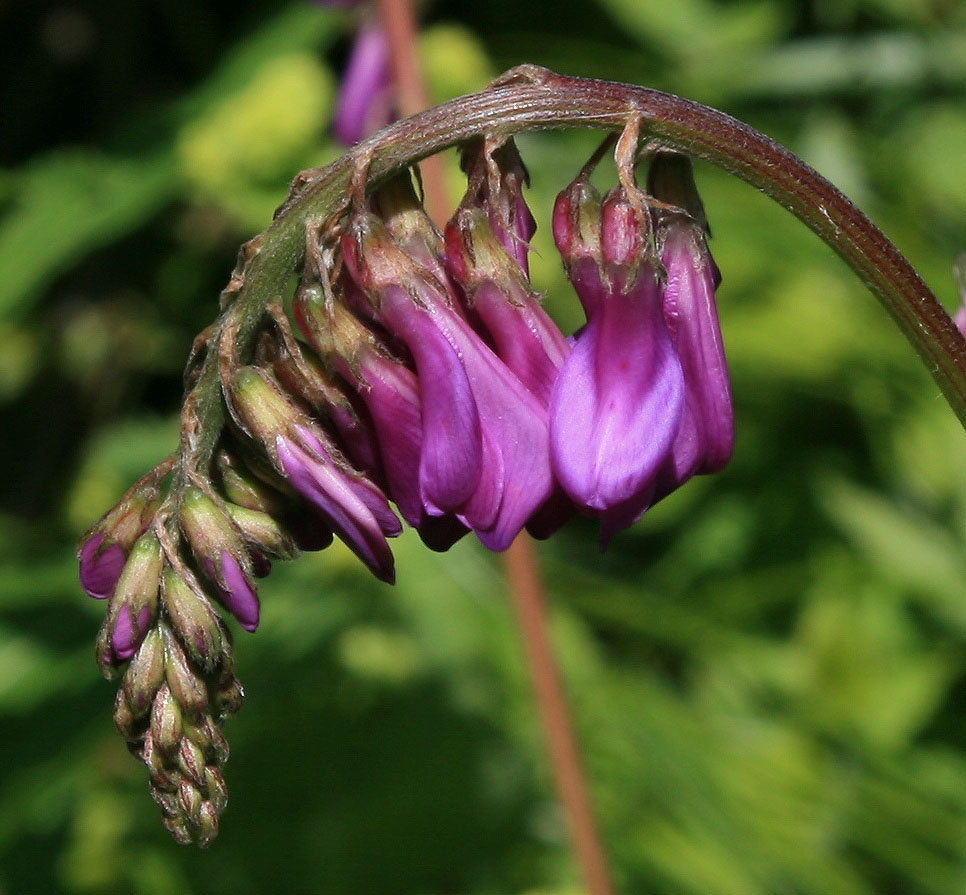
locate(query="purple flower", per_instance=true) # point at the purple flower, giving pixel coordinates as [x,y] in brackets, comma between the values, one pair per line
[644,401]
[484,454]
[366,97]
[617,405]
[390,391]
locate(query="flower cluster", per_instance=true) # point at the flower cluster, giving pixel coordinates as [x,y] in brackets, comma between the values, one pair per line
[416,368]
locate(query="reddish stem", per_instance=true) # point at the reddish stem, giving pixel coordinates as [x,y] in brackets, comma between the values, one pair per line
[530,601]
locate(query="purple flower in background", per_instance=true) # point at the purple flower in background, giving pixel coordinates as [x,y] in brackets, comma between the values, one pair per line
[959,272]
[366,97]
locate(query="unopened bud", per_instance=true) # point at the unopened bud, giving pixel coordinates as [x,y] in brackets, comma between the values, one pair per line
[104,549]
[145,674]
[186,686]
[194,619]
[207,824]
[242,487]
[229,697]
[189,799]
[124,719]
[217,790]
[261,407]
[165,721]
[133,607]
[219,550]
[177,826]
[263,532]
[191,761]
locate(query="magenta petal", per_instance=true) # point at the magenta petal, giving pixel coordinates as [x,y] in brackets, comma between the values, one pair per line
[515,473]
[480,511]
[368,493]
[707,436]
[239,595]
[525,337]
[100,569]
[617,404]
[124,639]
[324,486]
[451,453]
[357,440]
[391,393]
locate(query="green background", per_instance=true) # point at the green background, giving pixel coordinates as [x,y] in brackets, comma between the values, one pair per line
[768,672]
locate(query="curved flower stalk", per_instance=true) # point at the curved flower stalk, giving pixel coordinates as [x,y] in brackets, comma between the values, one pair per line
[427,375]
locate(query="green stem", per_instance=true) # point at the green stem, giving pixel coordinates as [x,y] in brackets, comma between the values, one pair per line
[528,98]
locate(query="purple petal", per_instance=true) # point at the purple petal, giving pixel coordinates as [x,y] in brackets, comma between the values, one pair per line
[100,568]
[366,491]
[239,595]
[451,450]
[706,438]
[617,404]
[365,99]
[124,639]
[515,475]
[525,337]
[324,486]
[391,394]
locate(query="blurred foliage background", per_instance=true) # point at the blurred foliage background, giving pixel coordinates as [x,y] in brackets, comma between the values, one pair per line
[768,672]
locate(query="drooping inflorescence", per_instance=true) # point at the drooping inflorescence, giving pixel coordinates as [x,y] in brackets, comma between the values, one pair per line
[419,369]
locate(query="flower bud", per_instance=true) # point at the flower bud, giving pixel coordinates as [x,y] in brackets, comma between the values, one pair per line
[263,533]
[133,606]
[317,389]
[229,698]
[165,722]
[191,761]
[194,620]
[220,552]
[187,688]
[349,503]
[103,550]
[244,488]
[130,727]
[497,289]
[145,675]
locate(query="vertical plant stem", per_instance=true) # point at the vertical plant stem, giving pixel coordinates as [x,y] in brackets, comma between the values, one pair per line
[530,602]
[520,563]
